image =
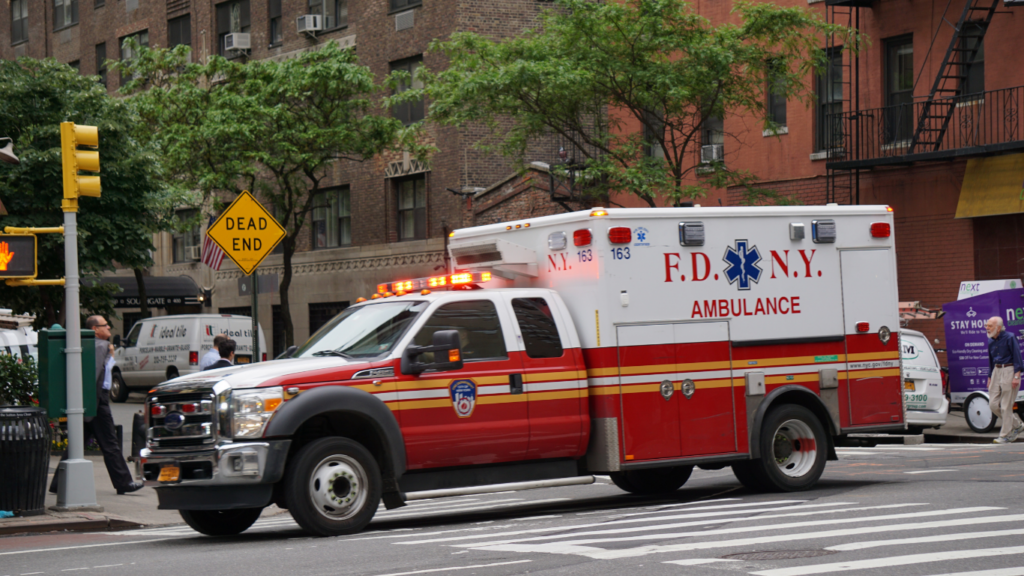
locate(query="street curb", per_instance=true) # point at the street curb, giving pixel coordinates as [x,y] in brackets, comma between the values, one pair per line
[908,439]
[67,525]
[959,439]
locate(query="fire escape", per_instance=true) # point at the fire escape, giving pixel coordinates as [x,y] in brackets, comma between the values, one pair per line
[950,122]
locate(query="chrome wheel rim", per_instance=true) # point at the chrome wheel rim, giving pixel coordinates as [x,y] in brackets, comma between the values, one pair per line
[115,386]
[794,448]
[979,413]
[337,487]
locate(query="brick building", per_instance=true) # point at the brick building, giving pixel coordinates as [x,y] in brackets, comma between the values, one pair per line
[382,220]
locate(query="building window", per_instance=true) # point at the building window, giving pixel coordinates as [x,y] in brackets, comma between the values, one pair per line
[403,4]
[712,140]
[321,313]
[412,208]
[65,13]
[899,88]
[274,16]
[77,65]
[101,62]
[332,219]
[335,12]
[179,31]
[776,105]
[654,133]
[232,18]
[19,21]
[277,331]
[127,54]
[409,112]
[187,244]
[829,92]
[973,71]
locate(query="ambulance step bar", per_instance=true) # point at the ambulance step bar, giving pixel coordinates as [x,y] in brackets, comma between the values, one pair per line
[491,488]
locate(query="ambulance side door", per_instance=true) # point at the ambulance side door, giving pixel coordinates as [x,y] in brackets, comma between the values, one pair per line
[466,416]
[556,395]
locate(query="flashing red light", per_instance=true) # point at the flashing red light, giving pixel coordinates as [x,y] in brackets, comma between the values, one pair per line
[485,276]
[863,327]
[582,237]
[437,281]
[193,358]
[382,288]
[880,230]
[402,286]
[620,235]
[463,278]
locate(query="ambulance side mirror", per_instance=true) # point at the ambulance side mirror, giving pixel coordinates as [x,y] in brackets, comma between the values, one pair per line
[116,339]
[447,353]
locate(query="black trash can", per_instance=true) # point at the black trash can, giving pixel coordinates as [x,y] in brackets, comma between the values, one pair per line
[25,453]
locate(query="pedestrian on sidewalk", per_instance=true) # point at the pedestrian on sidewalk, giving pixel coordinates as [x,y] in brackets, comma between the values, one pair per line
[101,427]
[227,355]
[1004,369]
[213,354]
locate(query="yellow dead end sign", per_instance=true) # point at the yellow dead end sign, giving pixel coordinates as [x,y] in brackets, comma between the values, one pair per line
[246,232]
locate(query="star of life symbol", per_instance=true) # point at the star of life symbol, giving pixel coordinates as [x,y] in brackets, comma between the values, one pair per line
[742,263]
[641,235]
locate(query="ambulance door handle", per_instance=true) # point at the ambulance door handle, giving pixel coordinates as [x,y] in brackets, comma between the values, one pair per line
[515,383]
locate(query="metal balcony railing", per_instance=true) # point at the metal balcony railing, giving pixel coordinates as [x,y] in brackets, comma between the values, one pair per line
[978,124]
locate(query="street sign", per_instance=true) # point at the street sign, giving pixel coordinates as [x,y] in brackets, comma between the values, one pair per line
[17,256]
[246,232]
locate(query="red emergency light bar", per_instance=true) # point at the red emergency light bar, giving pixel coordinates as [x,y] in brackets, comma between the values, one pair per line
[434,282]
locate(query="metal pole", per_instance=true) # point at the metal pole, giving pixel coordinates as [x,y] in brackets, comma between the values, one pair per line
[75,485]
[255,316]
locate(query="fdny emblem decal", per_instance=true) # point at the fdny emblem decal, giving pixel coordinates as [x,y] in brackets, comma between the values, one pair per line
[742,263]
[463,397]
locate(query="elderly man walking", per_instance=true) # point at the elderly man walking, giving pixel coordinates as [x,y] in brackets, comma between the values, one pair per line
[1004,368]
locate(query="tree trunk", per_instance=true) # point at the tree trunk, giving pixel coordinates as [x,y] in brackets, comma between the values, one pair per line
[286,282]
[143,300]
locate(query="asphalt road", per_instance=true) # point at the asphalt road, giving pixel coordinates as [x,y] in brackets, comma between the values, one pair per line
[892,510]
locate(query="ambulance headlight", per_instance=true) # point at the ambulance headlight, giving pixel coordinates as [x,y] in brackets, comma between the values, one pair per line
[252,409]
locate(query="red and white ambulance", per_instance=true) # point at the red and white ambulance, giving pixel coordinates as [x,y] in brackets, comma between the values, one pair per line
[632,342]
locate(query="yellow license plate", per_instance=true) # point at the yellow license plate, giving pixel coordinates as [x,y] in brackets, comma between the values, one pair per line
[169,474]
[908,385]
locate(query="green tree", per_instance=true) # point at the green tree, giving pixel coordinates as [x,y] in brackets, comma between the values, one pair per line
[275,128]
[591,67]
[35,97]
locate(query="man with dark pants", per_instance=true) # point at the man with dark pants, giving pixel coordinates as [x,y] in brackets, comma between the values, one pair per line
[227,355]
[101,427]
[1004,368]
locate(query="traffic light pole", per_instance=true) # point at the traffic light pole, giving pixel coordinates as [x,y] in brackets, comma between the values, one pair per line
[75,488]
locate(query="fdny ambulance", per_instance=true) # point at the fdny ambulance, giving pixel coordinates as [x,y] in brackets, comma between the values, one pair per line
[637,343]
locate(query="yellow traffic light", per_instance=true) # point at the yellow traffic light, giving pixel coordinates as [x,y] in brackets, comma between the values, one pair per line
[71,137]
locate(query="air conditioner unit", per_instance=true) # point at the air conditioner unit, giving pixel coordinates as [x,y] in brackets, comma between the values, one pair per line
[310,23]
[237,41]
[711,153]
[194,252]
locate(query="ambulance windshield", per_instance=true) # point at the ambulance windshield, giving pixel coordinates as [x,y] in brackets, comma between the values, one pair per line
[363,331]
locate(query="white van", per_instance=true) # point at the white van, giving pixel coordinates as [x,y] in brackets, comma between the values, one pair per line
[20,341]
[926,403]
[165,347]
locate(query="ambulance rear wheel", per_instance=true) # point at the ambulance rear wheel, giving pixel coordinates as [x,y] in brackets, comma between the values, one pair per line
[333,487]
[221,522]
[653,481]
[793,449]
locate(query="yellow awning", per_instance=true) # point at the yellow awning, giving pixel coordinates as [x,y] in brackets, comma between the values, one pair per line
[993,185]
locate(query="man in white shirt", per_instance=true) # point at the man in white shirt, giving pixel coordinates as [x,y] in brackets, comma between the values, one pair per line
[213,355]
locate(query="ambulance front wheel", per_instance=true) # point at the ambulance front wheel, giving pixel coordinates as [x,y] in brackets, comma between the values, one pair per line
[333,487]
[652,481]
[793,450]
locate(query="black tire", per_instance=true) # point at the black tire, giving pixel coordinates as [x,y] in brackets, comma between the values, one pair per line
[975,408]
[172,373]
[221,522]
[333,487]
[747,473]
[118,389]
[653,481]
[793,449]
[915,430]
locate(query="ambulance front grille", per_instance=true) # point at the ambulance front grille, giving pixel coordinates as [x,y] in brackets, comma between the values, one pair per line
[181,421]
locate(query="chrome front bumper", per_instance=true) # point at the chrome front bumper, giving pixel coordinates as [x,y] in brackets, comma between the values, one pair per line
[228,463]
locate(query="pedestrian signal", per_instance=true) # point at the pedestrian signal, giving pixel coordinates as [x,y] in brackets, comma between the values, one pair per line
[17,256]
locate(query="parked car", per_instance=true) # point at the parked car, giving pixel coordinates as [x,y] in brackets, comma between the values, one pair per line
[165,347]
[923,392]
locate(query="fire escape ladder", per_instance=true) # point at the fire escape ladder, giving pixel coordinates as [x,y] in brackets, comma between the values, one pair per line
[938,109]
[840,184]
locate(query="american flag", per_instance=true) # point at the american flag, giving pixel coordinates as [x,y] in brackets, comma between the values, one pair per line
[213,256]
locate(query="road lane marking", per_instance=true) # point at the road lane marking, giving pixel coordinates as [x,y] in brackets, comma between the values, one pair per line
[80,547]
[994,572]
[925,539]
[930,471]
[108,566]
[891,561]
[570,546]
[699,561]
[452,569]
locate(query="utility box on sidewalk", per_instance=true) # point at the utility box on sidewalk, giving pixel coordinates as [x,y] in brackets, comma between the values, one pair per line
[53,390]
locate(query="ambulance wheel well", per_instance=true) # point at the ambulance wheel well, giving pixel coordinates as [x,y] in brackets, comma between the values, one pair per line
[354,426]
[799,396]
